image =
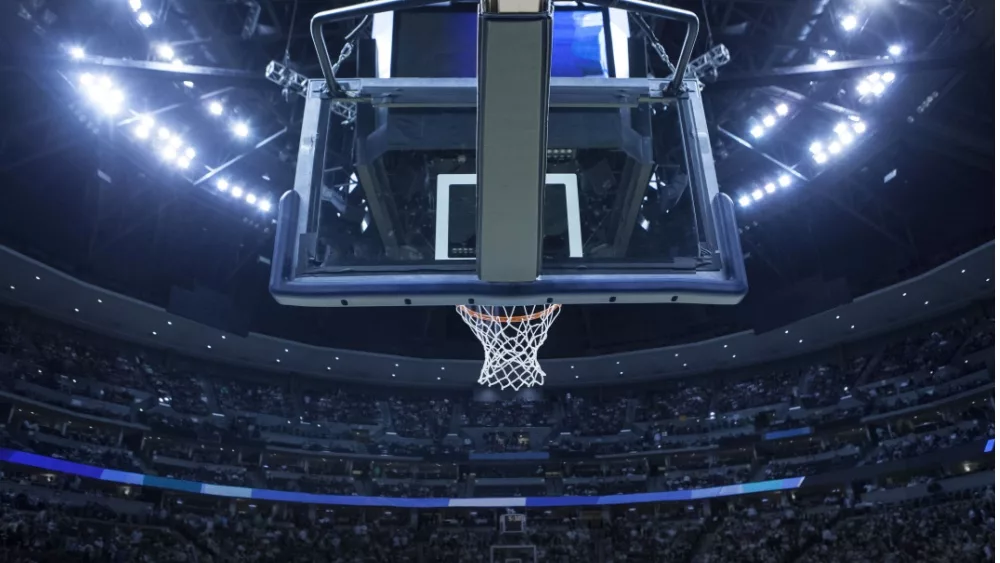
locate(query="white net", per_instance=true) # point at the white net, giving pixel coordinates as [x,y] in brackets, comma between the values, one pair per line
[511,337]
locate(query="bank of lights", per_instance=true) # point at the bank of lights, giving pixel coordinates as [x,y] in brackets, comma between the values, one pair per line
[237,192]
[768,120]
[845,132]
[103,93]
[746,200]
[875,84]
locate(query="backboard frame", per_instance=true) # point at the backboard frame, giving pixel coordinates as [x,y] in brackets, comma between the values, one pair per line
[295,282]
[297,217]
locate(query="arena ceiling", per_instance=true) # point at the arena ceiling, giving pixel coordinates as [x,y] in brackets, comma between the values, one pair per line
[92,196]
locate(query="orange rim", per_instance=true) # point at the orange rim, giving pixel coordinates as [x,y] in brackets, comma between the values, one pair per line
[511,319]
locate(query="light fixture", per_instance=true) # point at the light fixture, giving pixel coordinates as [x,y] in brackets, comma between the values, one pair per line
[757,194]
[215,108]
[77,52]
[786,331]
[757,131]
[183,162]
[189,152]
[725,345]
[816,147]
[834,148]
[685,365]
[168,153]
[784,180]
[170,323]
[820,158]
[145,19]
[927,302]
[222,184]
[859,127]
[165,52]
[154,333]
[769,120]
[846,138]
[236,192]
[864,88]
[209,346]
[251,199]
[188,84]
[904,294]
[769,187]
[163,133]
[849,22]
[136,5]
[822,62]
[223,336]
[241,129]
[264,205]
[852,327]
[895,49]
[800,341]
[75,310]
[781,109]
[888,77]
[878,88]
[142,132]
[99,300]
[744,201]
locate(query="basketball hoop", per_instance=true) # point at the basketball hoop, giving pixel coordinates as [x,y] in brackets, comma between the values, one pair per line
[511,337]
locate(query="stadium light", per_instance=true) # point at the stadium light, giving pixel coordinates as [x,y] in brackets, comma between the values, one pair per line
[136,5]
[142,132]
[168,153]
[769,120]
[215,108]
[163,133]
[744,201]
[165,52]
[781,109]
[888,77]
[859,127]
[145,19]
[849,22]
[784,180]
[895,50]
[864,87]
[757,195]
[241,129]
[834,148]
[816,147]
[77,52]
[822,62]
[769,187]
[264,205]
[236,192]
[251,199]
[222,184]
[757,131]
[183,162]
[190,152]
[820,158]
[878,88]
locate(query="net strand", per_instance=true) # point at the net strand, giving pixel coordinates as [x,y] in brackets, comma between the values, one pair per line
[511,337]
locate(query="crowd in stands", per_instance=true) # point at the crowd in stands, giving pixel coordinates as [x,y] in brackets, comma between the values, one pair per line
[510,414]
[420,418]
